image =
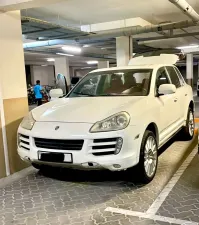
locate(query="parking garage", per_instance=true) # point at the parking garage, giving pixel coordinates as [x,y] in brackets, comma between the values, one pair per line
[80,157]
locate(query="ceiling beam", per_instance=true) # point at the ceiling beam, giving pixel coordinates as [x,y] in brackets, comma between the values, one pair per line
[10,5]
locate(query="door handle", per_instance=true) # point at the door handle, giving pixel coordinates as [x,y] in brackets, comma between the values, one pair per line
[175,100]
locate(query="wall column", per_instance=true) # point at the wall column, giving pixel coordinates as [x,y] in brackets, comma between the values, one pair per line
[190,69]
[103,64]
[13,91]
[62,67]
[124,50]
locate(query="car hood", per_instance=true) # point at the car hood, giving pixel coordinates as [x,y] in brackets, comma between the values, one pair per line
[83,109]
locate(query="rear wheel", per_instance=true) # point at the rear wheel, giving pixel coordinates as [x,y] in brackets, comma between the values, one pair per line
[147,166]
[188,130]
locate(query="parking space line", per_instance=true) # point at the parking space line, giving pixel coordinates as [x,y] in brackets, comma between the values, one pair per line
[150,216]
[165,192]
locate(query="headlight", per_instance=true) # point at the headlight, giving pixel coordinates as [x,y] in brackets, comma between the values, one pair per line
[116,122]
[28,122]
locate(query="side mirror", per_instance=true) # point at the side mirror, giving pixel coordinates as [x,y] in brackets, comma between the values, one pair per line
[56,93]
[167,89]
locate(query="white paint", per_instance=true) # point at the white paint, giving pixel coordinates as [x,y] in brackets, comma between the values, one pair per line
[189,66]
[103,64]
[12,68]
[43,73]
[62,67]
[168,188]
[149,216]
[115,24]
[124,48]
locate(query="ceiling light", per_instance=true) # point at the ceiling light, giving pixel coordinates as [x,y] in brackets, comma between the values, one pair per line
[50,60]
[86,46]
[86,68]
[44,65]
[92,62]
[187,47]
[71,49]
[64,54]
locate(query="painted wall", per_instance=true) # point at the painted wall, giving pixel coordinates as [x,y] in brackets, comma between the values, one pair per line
[43,73]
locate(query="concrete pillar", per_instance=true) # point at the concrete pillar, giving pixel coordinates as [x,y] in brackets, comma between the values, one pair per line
[190,69]
[124,50]
[62,67]
[103,64]
[13,91]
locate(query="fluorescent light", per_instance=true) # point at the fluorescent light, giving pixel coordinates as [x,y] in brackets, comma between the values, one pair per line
[71,49]
[88,67]
[50,60]
[187,47]
[64,54]
[92,62]
[44,65]
[86,46]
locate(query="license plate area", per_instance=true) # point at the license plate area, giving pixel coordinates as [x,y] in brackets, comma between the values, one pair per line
[55,157]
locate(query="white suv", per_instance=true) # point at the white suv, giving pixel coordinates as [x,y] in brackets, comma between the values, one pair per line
[117,123]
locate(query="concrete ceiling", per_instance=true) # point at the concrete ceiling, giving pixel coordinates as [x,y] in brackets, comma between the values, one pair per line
[82,12]
[88,11]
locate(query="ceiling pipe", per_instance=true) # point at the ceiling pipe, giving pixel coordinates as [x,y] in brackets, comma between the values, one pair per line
[135,30]
[187,9]
[144,41]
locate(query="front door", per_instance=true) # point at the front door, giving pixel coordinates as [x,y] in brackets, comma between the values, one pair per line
[167,105]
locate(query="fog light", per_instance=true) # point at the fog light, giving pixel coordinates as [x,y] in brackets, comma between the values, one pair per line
[118,145]
[117,166]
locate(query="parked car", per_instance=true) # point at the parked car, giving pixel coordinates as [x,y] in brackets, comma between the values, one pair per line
[130,113]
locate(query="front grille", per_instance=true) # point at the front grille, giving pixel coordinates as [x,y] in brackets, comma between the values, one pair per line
[57,144]
[24,142]
[102,147]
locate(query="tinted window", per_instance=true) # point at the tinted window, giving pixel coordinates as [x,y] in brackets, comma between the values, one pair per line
[162,77]
[116,82]
[180,76]
[174,77]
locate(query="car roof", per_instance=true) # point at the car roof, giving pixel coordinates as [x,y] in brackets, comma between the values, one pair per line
[148,66]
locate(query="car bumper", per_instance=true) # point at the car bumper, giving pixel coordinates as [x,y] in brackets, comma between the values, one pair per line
[84,158]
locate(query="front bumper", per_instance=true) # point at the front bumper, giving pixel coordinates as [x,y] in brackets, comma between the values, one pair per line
[85,158]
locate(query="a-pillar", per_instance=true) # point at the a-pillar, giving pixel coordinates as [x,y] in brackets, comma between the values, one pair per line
[103,64]
[124,50]
[13,91]
[189,66]
[62,67]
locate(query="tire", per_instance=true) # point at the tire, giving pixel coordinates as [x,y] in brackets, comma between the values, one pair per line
[188,130]
[36,166]
[198,93]
[145,176]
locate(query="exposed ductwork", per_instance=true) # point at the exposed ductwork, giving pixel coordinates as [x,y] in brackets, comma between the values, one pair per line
[184,6]
[136,30]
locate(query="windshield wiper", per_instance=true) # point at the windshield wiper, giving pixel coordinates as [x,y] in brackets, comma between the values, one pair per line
[82,93]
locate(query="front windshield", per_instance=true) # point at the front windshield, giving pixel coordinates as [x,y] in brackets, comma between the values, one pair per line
[130,82]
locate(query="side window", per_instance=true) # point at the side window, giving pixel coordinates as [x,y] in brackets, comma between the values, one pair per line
[180,76]
[161,78]
[173,76]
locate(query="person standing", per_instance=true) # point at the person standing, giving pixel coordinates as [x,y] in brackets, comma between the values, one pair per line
[38,92]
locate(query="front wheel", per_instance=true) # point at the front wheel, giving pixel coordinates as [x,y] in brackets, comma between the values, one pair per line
[147,166]
[188,130]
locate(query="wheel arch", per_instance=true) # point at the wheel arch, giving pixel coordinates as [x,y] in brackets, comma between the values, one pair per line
[191,105]
[153,128]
